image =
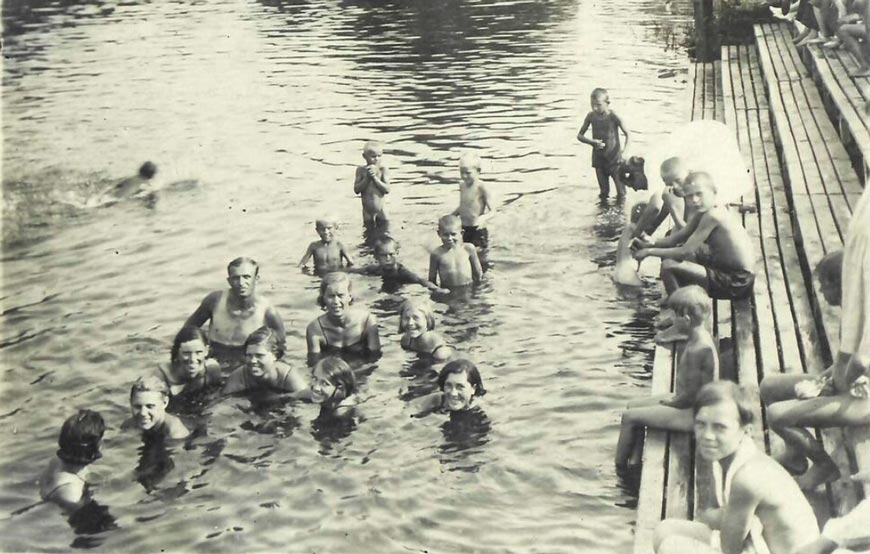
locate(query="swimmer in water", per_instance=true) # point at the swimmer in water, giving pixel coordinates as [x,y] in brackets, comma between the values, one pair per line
[235,313]
[189,371]
[131,187]
[149,398]
[263,369]
[328,253]
[459,383]
[63,482]
[454,264]
[372,183]
[417,325]
[334,387]
[391,270]
[342,328]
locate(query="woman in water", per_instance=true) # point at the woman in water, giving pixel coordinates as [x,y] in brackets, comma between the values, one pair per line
[341,329]
[189,373]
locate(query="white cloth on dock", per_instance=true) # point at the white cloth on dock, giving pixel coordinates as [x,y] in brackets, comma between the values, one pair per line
[722,484]
[855,312]
[709,146]
[852,530]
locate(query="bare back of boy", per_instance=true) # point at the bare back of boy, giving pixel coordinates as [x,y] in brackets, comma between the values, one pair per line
[455,267]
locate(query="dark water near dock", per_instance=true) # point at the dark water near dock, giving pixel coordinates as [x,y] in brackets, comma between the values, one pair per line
[266,105]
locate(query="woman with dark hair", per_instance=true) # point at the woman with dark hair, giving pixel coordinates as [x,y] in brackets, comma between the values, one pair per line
[333,386]
[460,383]
[263,369]
[63,482]
[189,371]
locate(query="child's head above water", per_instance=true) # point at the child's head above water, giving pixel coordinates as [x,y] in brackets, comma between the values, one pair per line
[599,99]
[830,273]
[80,438]
[692,302]
[147,170]
[372,152]
[269,339]
[420,311]
[326,227]
[674,171]
[460,382]
[332,380]
[449,223]
[386,251]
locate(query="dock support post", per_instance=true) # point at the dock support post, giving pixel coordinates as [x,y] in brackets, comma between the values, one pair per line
[705,31]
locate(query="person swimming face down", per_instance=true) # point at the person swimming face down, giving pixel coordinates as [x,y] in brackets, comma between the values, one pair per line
[460,383]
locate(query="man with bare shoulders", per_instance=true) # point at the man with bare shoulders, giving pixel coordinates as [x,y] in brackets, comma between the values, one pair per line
[235,313]
[454,264]
[713,249]
[759,502]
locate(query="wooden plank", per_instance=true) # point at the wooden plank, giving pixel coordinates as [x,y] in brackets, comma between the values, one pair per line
[792,65]
[652,482]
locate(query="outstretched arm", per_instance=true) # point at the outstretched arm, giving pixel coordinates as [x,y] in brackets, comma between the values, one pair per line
[308,253]
[274,321]
[344,255]
[698,235]
[414,278]
[433,267]
[204,310]
[650,218]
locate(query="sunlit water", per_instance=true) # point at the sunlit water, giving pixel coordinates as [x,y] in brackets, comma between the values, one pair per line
[267,104]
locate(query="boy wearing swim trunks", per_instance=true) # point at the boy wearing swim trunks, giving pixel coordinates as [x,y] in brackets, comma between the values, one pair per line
[607,152]
[759,503]
[475,207]
[713,249]
[235,313]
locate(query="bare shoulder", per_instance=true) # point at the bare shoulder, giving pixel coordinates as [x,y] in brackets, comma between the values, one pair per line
[313,327]
[470,248]
[211,299]
[175,429]
[761,475]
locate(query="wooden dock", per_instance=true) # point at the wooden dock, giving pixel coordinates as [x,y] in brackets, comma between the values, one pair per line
[797,149]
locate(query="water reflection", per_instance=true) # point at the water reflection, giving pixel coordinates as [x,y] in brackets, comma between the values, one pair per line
[465,434]
[329,429]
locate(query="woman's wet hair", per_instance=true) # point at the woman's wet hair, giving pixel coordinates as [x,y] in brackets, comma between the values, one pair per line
[692,301]
[462,366]
[342,377]
[80,438]
[722,391]
[332,279]
[412,305]
[150,383]
[275,343]
[187,333]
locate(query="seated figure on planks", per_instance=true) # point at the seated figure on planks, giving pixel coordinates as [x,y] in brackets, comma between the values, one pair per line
[854,32]
[235,313]
[697,365]
[713,249]
[759,503]
[839,395]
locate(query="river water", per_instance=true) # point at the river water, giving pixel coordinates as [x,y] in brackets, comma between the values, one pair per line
[262,109]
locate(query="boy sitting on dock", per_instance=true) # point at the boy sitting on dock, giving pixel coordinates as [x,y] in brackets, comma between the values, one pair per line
[854,32]
[667,202]
[328,253]
[475,206]
[454,264]
[235,313]
[697,365]
[713,249]
[372,183]
[391,270]
[758,501]
[607,152]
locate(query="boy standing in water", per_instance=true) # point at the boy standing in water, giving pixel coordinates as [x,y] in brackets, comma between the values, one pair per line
[606,153]
[454,264]
[63,482]
[713,249]
[328,253]
[474,202]
[235,313]
[758,500]
[372,183]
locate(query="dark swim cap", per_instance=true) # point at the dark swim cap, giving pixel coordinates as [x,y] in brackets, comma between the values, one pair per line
[80,437]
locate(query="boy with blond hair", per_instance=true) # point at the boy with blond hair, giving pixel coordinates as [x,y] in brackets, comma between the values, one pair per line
[475,207]
[454,264]
[372,183]
[329,254]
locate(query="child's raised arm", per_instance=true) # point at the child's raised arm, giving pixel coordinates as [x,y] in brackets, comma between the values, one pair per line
[359,180]
[382,183]
[476,269]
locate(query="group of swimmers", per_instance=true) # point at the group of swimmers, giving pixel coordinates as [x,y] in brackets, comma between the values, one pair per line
[241,350]
[708,254]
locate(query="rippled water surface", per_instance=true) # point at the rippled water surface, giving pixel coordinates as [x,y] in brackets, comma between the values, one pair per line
[262,108]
